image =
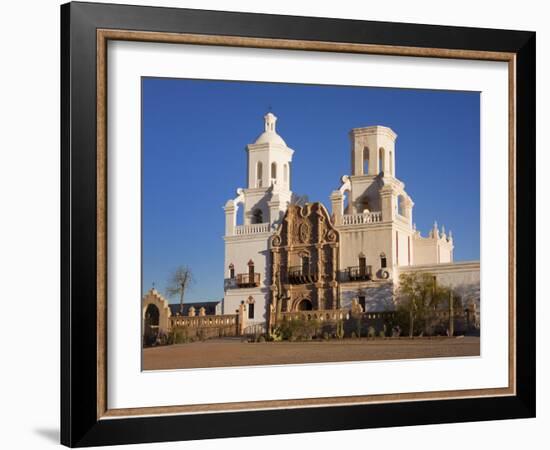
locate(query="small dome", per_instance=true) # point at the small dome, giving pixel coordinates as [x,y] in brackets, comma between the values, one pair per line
[270,136]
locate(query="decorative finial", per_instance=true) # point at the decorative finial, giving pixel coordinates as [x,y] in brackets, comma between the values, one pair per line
[435,231]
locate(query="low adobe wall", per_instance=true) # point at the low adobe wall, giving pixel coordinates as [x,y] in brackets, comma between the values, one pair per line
[205,327]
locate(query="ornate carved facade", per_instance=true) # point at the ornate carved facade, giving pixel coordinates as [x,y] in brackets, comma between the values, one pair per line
[304,254]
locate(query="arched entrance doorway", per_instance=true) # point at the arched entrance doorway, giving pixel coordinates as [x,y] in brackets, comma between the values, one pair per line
[305,305]
[151,325]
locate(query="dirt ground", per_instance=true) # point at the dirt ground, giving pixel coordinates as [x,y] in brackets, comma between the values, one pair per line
[233,352]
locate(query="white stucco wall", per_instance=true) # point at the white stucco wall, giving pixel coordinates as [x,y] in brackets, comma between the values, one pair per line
[401,248]
[238,251]
[463,277]
[370,240]
[428,250]
[378,295]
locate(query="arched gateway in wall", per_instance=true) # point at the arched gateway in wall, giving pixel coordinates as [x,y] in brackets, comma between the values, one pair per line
[155,315]
[304,261]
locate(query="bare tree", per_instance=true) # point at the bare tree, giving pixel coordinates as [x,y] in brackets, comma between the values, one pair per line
[179,282]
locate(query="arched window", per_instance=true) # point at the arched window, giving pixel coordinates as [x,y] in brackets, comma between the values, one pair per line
[273,171]
[257,217]
[365,160]
[239,213]
[362,265]
[285,173]
[364,204]
[391,165]
[345,202]
[250,304]
[259,173]
[399,206]
[383,261]
[231,271]
[381,160]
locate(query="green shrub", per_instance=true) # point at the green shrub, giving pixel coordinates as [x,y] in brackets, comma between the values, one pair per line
[298,329]
[371,332]
[382,334]
[179,336]
[261,338]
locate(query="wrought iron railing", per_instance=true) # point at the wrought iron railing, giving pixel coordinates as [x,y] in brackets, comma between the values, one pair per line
[302,274]
[248,280]
[360,273]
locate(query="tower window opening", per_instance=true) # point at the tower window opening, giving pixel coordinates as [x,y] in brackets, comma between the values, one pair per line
[345,202]
[391,164]
[285,173]
[365,161]
[273,171]
[400,209]
[381,160]
[383,261]
[259,172]
[231,271]
[239,219]
[257,216]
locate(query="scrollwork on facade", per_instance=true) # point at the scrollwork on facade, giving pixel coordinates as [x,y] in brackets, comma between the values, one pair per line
[276,241]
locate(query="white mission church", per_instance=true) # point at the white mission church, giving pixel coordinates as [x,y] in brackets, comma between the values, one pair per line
[289,255]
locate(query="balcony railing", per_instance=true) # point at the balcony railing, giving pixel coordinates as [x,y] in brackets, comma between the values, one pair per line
[360,273]
[362,218]
[252,228]
[245,280]
[302,275]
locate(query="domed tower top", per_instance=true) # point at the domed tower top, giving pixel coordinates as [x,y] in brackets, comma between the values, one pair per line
[269,158]
[270,136]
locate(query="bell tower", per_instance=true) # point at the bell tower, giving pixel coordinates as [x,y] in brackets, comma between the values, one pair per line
[268,193]
[269,158]
[264,202]
[373,151]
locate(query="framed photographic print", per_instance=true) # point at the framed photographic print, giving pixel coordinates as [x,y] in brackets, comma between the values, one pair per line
[277,224]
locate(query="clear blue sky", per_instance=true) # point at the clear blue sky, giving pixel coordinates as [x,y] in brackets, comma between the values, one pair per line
[194,138]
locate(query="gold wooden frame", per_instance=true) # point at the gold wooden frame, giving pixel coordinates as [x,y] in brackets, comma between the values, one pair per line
[104,35]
